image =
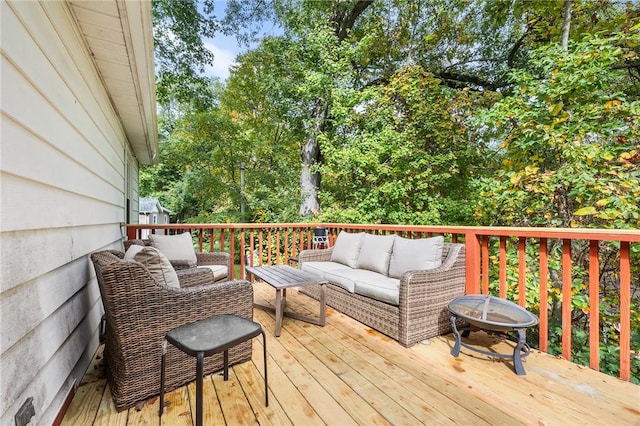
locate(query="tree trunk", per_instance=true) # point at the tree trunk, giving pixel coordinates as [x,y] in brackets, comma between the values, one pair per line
[566,24]
[310,154]
[342,21]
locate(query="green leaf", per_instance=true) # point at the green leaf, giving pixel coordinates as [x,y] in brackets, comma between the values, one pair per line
[585,211]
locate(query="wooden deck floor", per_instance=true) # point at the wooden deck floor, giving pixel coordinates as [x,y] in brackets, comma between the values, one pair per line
[347,374]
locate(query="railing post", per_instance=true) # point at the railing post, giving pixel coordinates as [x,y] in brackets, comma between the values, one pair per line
[472,248]
[131,233]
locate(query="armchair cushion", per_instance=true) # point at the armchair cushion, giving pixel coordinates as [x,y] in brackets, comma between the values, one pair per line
[156,262]
[175,247]
[412,255]
[219,271]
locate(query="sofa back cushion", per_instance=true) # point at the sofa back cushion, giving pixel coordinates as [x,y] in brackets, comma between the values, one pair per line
[175,247]
[418,254]
[347,248]
[375,253]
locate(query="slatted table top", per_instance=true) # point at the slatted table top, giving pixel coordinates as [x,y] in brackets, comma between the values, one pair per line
[283,276]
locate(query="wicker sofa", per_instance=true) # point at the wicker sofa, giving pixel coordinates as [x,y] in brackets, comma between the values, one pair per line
[418,308]
[139,310]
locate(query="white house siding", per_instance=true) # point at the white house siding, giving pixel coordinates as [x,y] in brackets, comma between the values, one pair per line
[63,195]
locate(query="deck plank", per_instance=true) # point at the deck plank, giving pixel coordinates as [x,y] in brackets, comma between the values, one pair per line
[407,390]
[107,413]
[311,359]
[235,406]
[347,373]
[211,408]
[89,394]
[284,350]
[251,377]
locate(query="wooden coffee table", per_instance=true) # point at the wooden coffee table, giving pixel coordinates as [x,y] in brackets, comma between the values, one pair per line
[281,277]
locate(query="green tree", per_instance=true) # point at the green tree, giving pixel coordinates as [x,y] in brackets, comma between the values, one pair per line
[179,27]
[568,140]
[400,153]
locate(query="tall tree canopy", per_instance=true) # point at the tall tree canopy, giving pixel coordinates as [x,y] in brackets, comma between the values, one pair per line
[391,103]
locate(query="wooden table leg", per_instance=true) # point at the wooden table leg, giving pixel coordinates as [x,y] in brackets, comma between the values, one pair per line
[323,304]
[279,311]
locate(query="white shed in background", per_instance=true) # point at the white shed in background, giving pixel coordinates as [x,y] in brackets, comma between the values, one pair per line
[152,213]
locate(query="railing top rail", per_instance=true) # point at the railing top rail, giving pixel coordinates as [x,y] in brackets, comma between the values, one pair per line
[562,233]
[631,235]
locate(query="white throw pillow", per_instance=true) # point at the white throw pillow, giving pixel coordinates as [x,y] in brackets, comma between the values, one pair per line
[175,247]
[158,264]
[375,253]
[347,248]
[132,251]
[418,254]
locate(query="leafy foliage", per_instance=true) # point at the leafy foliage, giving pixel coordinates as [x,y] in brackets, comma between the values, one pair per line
[400,154]
[568,142]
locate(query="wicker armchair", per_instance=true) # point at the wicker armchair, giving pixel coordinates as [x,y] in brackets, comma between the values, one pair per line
[139,311]
[204,259]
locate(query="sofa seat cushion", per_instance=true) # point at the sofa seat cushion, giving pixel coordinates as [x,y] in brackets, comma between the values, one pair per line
[321,268]
[219,271]
[418,254]
[375,253]
[381,288]
[346,278]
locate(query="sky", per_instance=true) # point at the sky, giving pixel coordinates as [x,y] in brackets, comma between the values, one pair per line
[226,48]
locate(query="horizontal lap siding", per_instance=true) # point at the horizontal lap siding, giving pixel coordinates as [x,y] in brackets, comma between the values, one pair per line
[63,196]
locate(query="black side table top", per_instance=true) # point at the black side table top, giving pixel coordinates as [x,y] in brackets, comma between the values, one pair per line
[213,335]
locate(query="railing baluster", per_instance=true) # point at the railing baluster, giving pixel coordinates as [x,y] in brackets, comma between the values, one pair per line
[594,305]
[625,310]
[567,287]
[278,246]
[301,239]
[544,296]
[472,249]
[260,248]
[251,247]
[232,251]
[242,253]
[270,242]
[522,270]
[485,264]
[503,267]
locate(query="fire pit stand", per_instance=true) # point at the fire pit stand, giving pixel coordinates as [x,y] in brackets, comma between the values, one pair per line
[492,314]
